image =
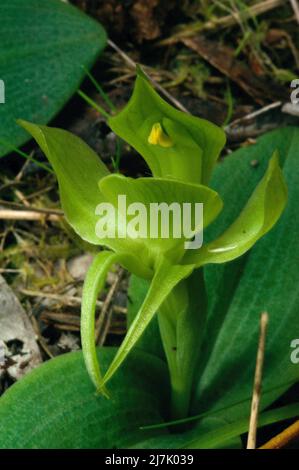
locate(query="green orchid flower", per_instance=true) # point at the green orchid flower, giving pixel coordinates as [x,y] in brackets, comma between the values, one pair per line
[174,144]
[181,151]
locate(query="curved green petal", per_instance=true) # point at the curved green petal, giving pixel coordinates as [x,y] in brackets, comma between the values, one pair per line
[258,216]
[93,284]
[78,170]
[196,143]
[167,276]
[169,195]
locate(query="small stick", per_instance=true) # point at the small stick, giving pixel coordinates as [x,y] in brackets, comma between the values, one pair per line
[10,184]
[40,192]
[254,114]
[225,21]
[8,214]
[71,301]
[21,172]
[103,321]
[295,7]
[284,438]
[40,338]
[10,271]
[16,205]
[22,198]
[159,87]
[105,327]
[251,441]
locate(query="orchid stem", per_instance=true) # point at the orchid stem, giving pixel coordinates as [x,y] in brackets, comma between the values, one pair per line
[181,325]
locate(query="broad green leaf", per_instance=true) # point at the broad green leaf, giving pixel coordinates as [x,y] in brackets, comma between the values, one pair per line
[259,215]
[214,439]
[44,47]
[191,145]
[55,406]
[265,280]
[214,433]
[215,412]
[149,191]
[180,440]
[166,277]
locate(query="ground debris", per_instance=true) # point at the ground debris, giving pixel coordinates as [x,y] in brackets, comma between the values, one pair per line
[78,266]
[222,57]
[21,352]
[68,342]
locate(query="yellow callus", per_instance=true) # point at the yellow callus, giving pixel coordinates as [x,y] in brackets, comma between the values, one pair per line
[158,137]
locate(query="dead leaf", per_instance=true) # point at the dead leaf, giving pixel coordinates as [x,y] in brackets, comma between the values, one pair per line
[147,26]
[21,352]
[222,58]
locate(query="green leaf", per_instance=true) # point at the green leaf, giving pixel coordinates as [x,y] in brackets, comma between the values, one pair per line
[215,433]
[78,170]
[265,280]
[166,277]
[258,216]
[55,406]
[180,440]
[194,144]
[214,413]
[214,438]
[44,46]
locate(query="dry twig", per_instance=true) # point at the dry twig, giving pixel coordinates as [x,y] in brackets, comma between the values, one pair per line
[284,438]
[159,87]
[253,115]
[9,214]
[15,205]
[103,322]
[251,441]
[295,7]
[225,21]
[68,300]
[40,338]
